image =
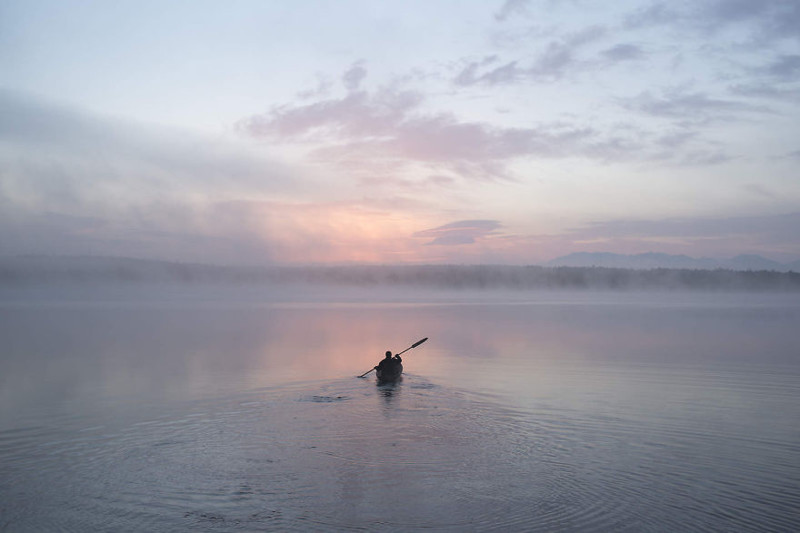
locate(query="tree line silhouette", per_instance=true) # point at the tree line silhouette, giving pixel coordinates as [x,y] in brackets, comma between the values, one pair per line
[27,270]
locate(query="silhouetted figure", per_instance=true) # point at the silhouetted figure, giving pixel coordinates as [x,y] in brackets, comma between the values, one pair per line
[388,363]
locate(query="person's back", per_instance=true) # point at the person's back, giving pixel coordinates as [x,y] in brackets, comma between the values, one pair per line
[386,363]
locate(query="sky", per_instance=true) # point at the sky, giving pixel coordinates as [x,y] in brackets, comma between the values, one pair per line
[337,132]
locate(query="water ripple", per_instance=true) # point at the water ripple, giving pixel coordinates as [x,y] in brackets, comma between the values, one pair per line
[337,455]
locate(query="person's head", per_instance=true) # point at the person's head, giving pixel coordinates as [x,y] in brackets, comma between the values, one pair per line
[388,355]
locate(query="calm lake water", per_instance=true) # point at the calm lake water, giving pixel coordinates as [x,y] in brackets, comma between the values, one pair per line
[228,410]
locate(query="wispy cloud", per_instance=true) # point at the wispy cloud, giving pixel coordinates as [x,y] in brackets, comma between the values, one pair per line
[771,92]
[767,20]
[461,232]
[679,103]
[749,231]
[624,52]
[771,235]
[322,89]
[353,76]
[760,190]
[392,124]
[511,8]
[551,63]
[698,236]
[784,68]
[359,114]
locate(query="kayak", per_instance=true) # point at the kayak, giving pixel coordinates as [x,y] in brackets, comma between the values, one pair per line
[390,374]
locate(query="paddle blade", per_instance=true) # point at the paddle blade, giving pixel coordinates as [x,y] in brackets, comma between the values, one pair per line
[419,342]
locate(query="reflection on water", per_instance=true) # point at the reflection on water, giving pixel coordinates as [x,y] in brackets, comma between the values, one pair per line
[604,414]
[388,390]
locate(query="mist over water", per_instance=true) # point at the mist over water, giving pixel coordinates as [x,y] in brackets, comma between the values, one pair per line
[227,409]
[28,271]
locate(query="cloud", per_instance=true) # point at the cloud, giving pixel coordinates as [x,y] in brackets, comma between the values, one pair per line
[511,8]
[784,68]
[356,115]
[655,14]
[50,139]
[216,232]
[459,233]
[506,73]
[771,18]
[353,77]
[764,229]
[769,235]
[757,189]
[322,89]
[700,158]
[766,20]
[771,92]
[75,182]
[774,81]
[407,185]
[553,62]
[391,127]
[682,104]
[676,139]
[623,52]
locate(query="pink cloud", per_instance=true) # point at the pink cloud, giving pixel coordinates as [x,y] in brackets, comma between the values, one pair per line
[391,126]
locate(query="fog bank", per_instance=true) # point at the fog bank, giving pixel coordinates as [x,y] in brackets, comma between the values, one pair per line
[36,270]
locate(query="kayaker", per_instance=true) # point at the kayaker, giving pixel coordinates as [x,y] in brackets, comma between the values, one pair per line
[389,361]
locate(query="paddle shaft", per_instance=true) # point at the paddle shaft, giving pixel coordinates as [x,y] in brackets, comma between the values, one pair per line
[404,351]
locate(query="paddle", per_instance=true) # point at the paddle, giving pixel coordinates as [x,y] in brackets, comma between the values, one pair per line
[404,351]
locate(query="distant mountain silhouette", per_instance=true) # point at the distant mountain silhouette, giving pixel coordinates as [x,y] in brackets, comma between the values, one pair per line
[659,260]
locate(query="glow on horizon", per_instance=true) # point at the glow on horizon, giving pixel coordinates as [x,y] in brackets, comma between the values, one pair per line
[359,132]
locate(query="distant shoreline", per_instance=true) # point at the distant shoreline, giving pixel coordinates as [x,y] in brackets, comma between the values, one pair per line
[37,270]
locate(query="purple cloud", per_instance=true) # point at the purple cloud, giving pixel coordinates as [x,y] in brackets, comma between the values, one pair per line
[390,125]
[356,115]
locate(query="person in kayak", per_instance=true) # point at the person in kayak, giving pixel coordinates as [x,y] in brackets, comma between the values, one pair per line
[388,362]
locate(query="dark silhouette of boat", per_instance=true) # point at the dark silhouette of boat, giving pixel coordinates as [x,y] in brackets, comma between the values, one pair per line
[389,373]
